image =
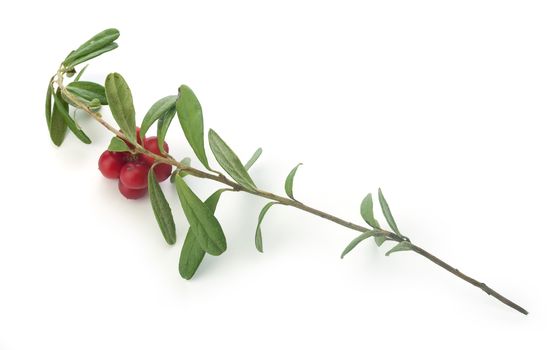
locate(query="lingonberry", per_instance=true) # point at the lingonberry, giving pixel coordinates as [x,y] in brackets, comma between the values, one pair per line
[133,175]
[162,171]
[110,164]
[131,193]
[151,144]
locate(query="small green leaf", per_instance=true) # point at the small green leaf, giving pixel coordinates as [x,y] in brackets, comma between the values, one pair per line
[162,127]
[402,246]
[201,220]
[366,210]
[88,91]
[258,234]
[49,97]
[192,254]
[379,240]
[289,182]
[156,111]
[96,43]
[94,54]
[229,161]
[355,242]
[190,115]
[253,159]
[79,75]
[388,215]
[58,128]
[177,172]
[121,104]
[58,106]
[117,145]
[161,208]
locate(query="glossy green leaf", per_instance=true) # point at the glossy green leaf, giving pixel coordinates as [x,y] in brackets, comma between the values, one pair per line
[366,210]
[253,159]
[355,242]
[117,145]
[229,161]
[161,208]
[88,91]
[58,128]
[192,254]
[58,106]
[156,111]
[402,246]
[121,104]
[289,182]
[80,73]
[162,127]
[94,54]
[258,234]
[386,212]
[190,116]
[201,220]
[49,96]
[97,43]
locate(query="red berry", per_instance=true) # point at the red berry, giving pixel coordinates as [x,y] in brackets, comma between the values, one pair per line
[110,164]
[131,193]
[162,171]
[134,175]
[151,144]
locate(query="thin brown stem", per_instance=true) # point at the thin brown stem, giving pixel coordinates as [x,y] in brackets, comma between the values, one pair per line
[234,186]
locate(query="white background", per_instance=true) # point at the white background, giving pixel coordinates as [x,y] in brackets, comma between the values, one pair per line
[445,104]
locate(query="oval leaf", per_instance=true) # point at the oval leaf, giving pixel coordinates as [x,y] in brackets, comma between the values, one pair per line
[121,104]
[253,159]
[289,182]
[258,234]
[366,210]
[94,44]
[58,106]
[161,208]
[49,97]
[388,215]
[117,145]
[355,242]
[402,246]
[156,111]
[229,161]
[201,220]
[192,254]
[190,115]
[58,128]
[94,54]
[88,91]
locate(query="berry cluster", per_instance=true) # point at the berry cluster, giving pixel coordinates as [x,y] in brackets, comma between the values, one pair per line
[131,169]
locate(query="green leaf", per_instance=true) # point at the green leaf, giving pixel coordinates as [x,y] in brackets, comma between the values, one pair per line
[379,240]
[121,104]
[49,97]
[366,210]
[402,246]
[290,180]
[388,215]
[258,235]
[94,54]
[79,75]
[192,254]
[177,172]
[88,91]
[156,111]
[162,127]
[229,161]
[190,115]
[117,145]
[161,208]
[201,220]
[58,106]
[96,43]
[355,242]
[58,128]
[253,159]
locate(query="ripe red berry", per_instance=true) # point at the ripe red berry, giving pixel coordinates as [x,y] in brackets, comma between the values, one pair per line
[151,144]
[110,164]
[131,193]
[162,171]
[133,175]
